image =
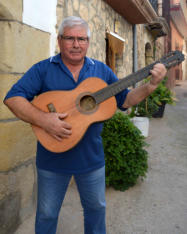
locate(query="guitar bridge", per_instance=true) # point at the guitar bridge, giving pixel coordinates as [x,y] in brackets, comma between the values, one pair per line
[51,107]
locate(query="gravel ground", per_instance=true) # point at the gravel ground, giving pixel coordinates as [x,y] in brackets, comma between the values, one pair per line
[157,205]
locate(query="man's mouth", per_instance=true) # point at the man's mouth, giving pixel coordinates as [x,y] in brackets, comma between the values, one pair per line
[75,52]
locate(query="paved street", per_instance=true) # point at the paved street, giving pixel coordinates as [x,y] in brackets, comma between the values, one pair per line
[157,205]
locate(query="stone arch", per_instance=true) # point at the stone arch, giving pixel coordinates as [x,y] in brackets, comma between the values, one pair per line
[149,58]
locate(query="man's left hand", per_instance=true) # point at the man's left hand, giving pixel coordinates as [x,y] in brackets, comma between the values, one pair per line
[158,73]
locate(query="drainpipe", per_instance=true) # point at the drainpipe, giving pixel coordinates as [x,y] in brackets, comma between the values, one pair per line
[135,51]
[160,7]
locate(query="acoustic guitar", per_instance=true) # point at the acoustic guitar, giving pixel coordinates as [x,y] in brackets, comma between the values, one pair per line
[92,101]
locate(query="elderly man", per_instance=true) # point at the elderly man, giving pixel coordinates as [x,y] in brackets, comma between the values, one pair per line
[85,161]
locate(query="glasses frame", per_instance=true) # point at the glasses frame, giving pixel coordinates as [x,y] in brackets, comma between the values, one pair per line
[71,39]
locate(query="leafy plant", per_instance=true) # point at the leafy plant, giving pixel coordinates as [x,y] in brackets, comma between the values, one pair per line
[163,94]
[151,104]
[145,108]
[126,158]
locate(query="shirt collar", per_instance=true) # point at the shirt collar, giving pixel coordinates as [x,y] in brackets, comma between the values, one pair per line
[57,59]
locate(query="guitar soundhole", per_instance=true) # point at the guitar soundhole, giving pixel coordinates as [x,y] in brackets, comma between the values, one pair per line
[87,103]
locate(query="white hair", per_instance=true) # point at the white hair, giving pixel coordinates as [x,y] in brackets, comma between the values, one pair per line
[72,21]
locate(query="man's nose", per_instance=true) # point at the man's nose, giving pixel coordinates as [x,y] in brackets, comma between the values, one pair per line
[76,43]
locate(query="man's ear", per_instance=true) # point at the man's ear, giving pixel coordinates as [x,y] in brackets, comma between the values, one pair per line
[59,40]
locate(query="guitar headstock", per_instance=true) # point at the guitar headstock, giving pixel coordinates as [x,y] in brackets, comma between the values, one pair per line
[172,59]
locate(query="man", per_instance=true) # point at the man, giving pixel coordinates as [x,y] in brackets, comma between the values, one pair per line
[85,161]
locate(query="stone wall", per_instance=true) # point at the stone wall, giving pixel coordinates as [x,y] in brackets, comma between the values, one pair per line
[21,46]
[100,17]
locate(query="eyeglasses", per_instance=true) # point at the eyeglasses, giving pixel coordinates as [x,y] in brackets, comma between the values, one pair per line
[71,40]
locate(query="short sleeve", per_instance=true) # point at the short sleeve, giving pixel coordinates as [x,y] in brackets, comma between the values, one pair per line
[29,85]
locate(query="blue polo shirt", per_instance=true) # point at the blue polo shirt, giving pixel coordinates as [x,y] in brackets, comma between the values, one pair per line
[52,74]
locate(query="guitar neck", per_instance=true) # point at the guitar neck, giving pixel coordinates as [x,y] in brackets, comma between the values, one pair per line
[122,84]
[171,59]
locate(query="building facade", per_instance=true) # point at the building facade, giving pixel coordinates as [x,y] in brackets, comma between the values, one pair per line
[125,36]
[178,24]
[175,13]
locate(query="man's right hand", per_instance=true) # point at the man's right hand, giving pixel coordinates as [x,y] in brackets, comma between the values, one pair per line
[55,125]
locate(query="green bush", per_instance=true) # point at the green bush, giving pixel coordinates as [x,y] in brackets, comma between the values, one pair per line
[126,158]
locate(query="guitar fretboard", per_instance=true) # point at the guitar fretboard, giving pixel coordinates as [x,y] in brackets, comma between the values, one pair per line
[169,60]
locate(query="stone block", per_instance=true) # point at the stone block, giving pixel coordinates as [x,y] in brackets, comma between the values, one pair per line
[21,46]
[84,13]
[76,4]
[16,196]
[17,144]
[6,82]
[3,188]
[59,17]
[25,180]
[70,8]
[61,2]
[9,213]
[11,9]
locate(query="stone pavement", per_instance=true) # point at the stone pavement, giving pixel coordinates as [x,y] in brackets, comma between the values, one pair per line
[157,205]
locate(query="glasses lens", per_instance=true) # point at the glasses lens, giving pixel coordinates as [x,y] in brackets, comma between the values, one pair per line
[71,40]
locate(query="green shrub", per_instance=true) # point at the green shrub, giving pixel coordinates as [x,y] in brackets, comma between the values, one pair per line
[126,158]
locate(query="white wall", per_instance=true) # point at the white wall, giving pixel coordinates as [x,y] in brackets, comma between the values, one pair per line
[41,14]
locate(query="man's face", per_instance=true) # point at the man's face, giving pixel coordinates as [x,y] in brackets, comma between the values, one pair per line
[73,44]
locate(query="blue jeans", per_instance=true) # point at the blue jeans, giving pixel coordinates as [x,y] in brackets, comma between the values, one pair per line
[52,188]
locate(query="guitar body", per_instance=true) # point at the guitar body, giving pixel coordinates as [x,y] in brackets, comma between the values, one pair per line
[92,101]
[81,108]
